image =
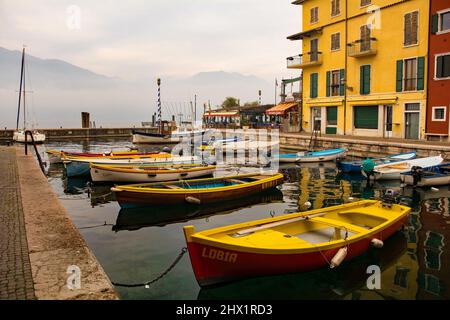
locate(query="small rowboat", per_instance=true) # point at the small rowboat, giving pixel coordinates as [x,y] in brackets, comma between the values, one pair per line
[55,156]
[199,191]
[426,177]
[105,173]
[291,243]
[77,166]
[356,166]
[392,171]
[236,145]
[312,156]
[174,137]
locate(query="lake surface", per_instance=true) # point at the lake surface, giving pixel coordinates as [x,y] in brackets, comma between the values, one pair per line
[137,245]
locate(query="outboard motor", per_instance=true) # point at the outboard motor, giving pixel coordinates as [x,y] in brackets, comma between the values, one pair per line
[390,197]
[368,165]
[416,172]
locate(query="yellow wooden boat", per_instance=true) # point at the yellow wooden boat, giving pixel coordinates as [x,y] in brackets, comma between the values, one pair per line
[292,243]
[197,191]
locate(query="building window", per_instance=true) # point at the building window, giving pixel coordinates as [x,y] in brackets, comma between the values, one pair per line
[335,83]
[410,74]
[365,117]
[335,41]
[411,28]
[365,38]
[439,113]
[335,8]
[314,50]
[444,21]
[410,79]
[314,15]
[365,3]
[364,79]
[442,66]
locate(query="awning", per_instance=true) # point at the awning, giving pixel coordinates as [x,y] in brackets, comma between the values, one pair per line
[281,108]
[374,100]
[287,81]
[222,114]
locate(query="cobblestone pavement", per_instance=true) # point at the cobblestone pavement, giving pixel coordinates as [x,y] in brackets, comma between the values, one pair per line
[16,280]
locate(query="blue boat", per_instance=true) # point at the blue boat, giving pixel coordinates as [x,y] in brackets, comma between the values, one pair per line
[355,166]
[312,156]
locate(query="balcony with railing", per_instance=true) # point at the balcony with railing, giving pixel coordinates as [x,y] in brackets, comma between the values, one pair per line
[362,48]
[304,60]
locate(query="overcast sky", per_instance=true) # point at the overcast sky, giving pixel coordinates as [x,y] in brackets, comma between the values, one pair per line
[130,39]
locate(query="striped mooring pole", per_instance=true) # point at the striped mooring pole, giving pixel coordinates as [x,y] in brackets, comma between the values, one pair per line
[158,81]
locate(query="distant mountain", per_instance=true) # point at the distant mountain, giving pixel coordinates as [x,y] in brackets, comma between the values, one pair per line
[217,85]
[61,91]
[47,73]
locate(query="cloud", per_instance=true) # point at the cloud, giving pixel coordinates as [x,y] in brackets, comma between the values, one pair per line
[131,39]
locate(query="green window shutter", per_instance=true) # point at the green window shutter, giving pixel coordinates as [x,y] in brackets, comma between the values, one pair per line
[434,23]
[328,83]
[420,73]
[364,87]
[367,70]
[399,82]
[313,84]
[341,86]
[361,79]
[365,117]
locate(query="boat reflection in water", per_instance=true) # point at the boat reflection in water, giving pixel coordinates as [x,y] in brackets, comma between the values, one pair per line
[137,218]
[348,281]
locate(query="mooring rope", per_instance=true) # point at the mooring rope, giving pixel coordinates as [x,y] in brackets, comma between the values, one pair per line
[96,226]
[148,283]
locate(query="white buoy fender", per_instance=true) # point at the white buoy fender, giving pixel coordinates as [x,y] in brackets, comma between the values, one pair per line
[338,257]
[434,189]
[193,200]
[377,243]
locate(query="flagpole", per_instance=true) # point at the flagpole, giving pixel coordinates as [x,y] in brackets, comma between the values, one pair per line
[276,85]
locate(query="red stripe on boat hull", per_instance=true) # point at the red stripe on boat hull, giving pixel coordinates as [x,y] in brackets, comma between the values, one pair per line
[213,265]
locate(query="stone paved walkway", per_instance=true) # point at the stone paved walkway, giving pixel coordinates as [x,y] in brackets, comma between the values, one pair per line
[16,280]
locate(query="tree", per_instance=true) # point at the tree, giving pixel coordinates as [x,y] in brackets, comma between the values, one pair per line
[251,104]
[229,103]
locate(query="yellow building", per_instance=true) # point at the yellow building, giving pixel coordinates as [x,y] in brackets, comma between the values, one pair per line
[364,66]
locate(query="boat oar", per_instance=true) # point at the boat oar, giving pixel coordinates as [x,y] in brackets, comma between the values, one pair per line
[276,224]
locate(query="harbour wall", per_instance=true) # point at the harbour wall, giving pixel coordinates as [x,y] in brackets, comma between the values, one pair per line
[366,147]
[358,146]
[80,133]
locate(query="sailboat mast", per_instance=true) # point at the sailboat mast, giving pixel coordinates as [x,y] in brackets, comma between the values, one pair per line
[20,88]
[24,93]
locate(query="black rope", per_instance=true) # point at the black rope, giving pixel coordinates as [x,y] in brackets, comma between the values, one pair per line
[145,284]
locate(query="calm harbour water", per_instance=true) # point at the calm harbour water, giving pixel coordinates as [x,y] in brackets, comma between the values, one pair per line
[135,246]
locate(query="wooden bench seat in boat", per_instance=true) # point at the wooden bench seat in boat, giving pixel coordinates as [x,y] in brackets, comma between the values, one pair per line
[171,186]
[338,223]
[234,181]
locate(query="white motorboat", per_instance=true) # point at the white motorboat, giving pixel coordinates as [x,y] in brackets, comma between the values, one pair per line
[392,171]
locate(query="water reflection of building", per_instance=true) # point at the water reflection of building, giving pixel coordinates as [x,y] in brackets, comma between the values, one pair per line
[399,280]
[433,250]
